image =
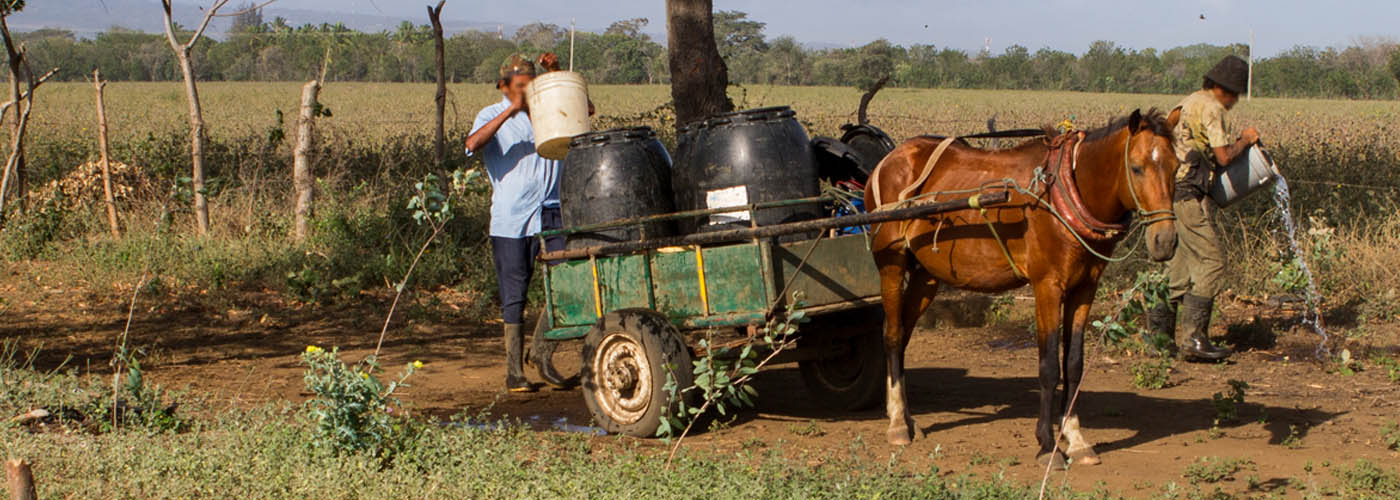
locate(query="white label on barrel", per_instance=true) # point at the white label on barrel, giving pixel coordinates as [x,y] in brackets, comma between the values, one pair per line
[736,196]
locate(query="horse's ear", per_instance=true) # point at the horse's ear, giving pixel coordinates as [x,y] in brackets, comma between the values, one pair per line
[1174,117]
[1135,121]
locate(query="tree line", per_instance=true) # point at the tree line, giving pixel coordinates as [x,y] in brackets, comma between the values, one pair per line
[259,50]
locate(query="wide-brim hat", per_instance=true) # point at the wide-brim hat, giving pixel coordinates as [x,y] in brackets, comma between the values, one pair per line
[1231,73]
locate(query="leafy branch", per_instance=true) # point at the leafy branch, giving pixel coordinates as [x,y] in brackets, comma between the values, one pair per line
[722,382]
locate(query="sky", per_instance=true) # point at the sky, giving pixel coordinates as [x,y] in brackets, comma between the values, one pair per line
[1060,24]
[1069,25]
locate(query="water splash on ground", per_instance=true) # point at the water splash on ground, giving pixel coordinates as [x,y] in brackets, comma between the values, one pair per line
[1312,317]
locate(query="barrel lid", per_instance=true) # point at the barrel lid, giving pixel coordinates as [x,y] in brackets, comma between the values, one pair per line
[769,113]
[613,135]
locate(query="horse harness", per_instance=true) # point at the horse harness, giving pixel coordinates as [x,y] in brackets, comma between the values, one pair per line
[1061,161]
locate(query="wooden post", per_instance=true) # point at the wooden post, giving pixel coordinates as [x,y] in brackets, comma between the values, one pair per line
[21,479]
[182,54]
[440,99]
[302,180]
[102,146]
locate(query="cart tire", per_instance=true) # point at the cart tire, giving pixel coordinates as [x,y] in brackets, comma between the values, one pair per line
[855,379]
[542,356]
[626,359]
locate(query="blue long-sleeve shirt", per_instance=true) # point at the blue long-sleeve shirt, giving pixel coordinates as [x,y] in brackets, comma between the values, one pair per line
[522,182]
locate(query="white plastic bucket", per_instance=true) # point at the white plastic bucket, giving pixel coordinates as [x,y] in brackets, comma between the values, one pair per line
[558,102]
[1250,172]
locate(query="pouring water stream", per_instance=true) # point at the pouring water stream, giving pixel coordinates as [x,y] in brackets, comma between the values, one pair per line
[1312,317]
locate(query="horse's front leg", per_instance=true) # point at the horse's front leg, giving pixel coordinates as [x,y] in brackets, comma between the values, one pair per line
[1076,315]
[1048,300]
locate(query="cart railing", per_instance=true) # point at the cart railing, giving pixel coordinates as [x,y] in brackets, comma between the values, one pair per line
[911,211]
[636,221]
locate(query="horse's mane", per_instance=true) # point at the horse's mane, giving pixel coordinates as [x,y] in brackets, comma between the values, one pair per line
[1154,119]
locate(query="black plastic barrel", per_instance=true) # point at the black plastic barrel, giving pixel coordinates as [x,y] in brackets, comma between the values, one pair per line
[612,175]
[743,158]
[871,143]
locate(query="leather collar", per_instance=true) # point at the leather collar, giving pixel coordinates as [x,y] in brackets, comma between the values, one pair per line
[1064,192]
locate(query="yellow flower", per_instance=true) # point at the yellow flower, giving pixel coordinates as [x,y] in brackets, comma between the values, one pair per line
[365,375]
[311,349]
[417,364]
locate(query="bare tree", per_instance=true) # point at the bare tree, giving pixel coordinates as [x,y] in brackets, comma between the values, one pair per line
[16,66]
[698,74]
[102,146]
[22,102]
[440,99]
[182,53]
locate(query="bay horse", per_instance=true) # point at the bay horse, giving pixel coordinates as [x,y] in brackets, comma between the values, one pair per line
[1047,234]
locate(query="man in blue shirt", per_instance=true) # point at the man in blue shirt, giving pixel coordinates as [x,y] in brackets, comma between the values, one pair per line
[524,200]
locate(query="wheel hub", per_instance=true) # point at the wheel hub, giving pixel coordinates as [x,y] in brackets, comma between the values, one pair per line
[624,391]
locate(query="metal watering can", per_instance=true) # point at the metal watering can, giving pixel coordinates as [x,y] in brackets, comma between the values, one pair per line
[1249,172]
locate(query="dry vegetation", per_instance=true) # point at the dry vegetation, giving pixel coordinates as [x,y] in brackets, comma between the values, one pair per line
[1341,157]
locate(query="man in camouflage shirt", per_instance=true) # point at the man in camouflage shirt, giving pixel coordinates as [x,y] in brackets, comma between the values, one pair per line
[1196,272]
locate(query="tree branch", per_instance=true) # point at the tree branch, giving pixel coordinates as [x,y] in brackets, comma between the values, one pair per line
[34,85]
[247,10]
[208,16]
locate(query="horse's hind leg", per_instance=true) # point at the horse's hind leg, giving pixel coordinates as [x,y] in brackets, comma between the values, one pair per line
[1076,312]
[903,304]
[1048,315]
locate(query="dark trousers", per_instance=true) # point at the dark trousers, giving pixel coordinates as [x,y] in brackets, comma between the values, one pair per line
[515,264]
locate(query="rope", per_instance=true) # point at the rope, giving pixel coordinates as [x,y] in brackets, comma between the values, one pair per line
[975,202]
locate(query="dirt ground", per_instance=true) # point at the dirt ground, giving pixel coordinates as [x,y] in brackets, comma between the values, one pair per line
[972,389]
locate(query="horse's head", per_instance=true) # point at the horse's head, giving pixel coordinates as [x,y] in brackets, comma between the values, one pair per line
[1150,171]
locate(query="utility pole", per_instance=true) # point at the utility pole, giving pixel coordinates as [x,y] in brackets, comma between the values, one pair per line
[1249,87]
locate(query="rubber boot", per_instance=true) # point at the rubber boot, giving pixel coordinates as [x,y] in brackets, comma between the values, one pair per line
[1196,316]
[515,357]
[1161,321]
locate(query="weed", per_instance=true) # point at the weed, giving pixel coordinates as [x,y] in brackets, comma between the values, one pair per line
[1391,365]
[979,458]
[1365,480]
[352,410]
[1152,374]
[1390,435]
[1294,440]
[1227,404]
[811,429]
[1216,469]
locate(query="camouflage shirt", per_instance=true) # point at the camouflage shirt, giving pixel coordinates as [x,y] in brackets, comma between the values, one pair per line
[1200,130]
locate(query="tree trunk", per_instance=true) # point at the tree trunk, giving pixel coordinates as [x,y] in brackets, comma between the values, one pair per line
[440,99]
[21,479]
[201,207]
[102,148]
[301,160]
[16,61]
[698,74]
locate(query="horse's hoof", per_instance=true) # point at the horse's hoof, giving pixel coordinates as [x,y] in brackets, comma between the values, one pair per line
[1085,456]
[1055,461]
[899,437]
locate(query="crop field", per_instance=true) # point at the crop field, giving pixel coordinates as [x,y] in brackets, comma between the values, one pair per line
[223,322]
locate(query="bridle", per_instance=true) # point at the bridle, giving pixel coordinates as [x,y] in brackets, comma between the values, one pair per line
[1143,217]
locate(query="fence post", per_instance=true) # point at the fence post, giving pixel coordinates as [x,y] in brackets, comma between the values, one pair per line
[106,163]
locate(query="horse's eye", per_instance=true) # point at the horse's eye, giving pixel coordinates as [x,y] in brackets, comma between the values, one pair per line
[1137,170]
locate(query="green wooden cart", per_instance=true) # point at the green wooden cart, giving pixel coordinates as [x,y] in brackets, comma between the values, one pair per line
[636,304]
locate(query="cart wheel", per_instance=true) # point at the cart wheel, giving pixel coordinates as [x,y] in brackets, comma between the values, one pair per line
[626,358]
[542,356]
[853,378]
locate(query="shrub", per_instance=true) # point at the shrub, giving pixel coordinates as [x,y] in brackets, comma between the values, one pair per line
[352,410]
